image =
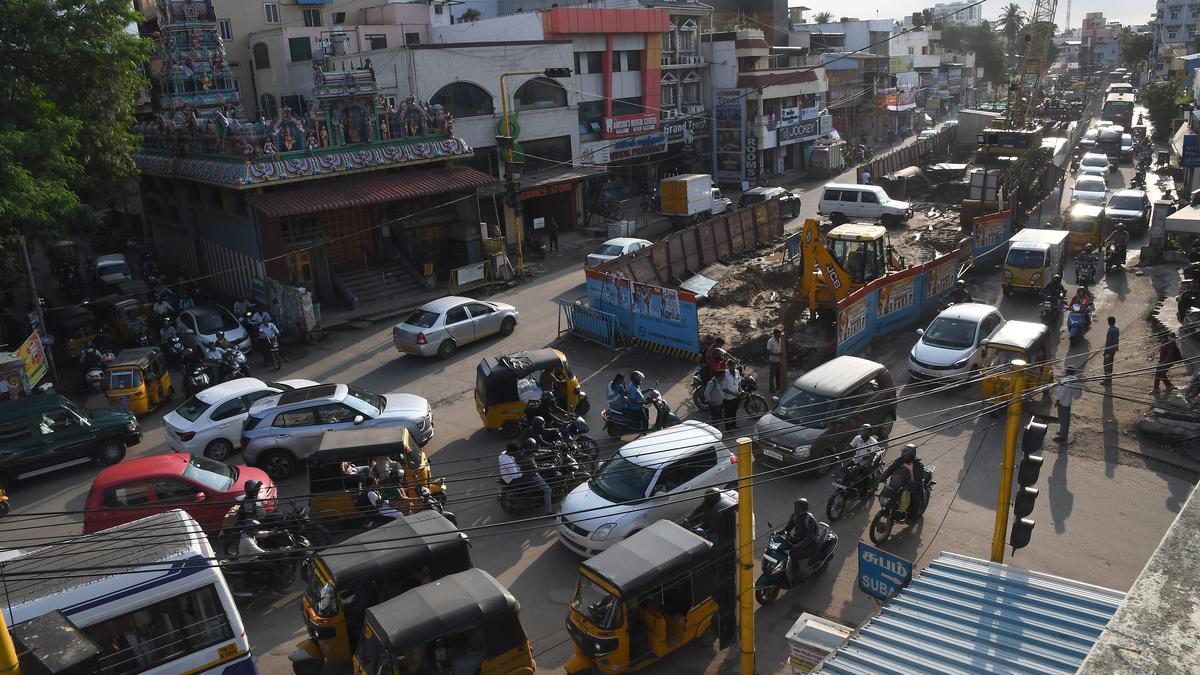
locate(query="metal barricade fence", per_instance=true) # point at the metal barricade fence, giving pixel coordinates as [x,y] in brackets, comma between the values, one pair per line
[590,324]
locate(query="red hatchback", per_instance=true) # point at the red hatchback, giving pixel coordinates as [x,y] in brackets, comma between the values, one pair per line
[140,487]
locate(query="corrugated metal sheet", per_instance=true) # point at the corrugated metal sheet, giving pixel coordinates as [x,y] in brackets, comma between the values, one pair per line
[964,615]
[366,190]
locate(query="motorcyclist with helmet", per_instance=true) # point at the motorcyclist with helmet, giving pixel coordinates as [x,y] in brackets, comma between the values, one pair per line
[907,472]
[960,294]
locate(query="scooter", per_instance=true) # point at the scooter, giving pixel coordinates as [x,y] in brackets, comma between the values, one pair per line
[777,559]
[619,423]
[1078,321]
[854,482]
[890,512]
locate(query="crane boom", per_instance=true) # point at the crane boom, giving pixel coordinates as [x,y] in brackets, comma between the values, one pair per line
[1039,31]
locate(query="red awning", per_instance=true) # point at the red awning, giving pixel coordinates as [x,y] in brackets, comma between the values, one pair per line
[329,195]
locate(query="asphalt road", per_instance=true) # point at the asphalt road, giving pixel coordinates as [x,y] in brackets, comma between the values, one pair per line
[1086,499]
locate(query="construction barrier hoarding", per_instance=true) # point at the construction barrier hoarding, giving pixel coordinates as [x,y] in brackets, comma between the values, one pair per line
[656,317]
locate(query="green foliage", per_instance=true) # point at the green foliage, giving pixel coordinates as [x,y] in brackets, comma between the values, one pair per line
[989,54]
[1160,99]
[1135,47]
[69,72]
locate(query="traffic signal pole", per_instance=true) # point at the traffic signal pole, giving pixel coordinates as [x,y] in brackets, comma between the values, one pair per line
[1012,431]
[745,560]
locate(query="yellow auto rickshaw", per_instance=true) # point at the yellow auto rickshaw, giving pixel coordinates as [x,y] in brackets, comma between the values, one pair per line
[642,599]
[1015,340]
[368,569]
[137,380]
[73,326]
[1083,223]
[505,384]
[124,314]
[349,461]
[465,622]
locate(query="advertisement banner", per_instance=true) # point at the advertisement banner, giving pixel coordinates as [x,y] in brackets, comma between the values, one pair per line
[31,353]
[729,126]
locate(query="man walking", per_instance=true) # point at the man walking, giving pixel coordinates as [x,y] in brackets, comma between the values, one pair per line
[1069,391]
[1112,342]
[1168,355]
[775,359]
[552,233]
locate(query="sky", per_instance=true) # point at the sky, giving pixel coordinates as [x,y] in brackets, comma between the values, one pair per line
[1128,12]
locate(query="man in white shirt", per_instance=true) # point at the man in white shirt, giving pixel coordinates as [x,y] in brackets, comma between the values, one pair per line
[1069,391]
[775,359]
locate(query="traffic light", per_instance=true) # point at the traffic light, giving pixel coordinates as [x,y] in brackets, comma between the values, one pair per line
[558,72]
[1027,474]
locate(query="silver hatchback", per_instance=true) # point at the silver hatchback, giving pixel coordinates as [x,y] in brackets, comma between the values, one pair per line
[442,326]
[284,429]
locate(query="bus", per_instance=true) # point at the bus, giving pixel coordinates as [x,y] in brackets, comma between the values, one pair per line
[1118,109]
[149,593]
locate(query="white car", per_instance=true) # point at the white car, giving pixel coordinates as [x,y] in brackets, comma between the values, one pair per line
[657,476]
[1089,188]
[210,423]
[950,347]
[1095,163]
[615,248]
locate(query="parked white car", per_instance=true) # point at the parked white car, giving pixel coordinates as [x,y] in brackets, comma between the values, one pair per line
[1089,188]
[654,477]
[210,423]
[615,248]
[950,346]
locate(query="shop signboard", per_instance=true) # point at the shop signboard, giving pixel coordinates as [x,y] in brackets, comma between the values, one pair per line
[881,574]
[629,125]
[729,126]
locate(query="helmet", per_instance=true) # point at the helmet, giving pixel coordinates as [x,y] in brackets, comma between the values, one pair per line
[251,525]
[538,423]
[252,487]
[711,496]
[800,505]
[636,377]
[529,444]
[909,451]
[720,354]
[1057,277]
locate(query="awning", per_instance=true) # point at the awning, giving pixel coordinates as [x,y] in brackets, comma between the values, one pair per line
[367,190]
[1186,220]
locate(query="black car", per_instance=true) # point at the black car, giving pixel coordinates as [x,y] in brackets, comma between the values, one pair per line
[41,434]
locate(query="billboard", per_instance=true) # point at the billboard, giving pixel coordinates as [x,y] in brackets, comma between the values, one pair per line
[729,133]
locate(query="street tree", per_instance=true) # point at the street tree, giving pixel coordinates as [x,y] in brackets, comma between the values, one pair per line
[1135,47]
[1161,99]
[71,73]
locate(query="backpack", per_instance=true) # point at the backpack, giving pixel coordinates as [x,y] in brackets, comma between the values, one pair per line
[712,392]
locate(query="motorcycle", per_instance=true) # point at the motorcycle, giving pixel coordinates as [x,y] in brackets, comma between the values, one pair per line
[776,560]
[856,482]
[1050,308]
[561,472]
[890,512]
[619,422]
[297,522]
[274,572]
[276,356]
[1078,321]
[1085,272]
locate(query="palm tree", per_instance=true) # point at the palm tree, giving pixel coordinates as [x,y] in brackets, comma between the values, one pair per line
[823,17]
[1012,20]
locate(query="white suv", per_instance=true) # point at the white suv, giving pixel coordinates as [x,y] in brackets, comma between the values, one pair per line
[660,475]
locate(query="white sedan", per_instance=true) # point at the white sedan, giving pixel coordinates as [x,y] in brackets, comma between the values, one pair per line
[1089,189]
[615,248]
[660,475]
[210,423]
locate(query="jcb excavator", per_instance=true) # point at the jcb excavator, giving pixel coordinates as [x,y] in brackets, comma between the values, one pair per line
[847,258]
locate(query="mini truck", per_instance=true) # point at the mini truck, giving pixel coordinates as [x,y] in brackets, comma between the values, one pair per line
[691,198]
